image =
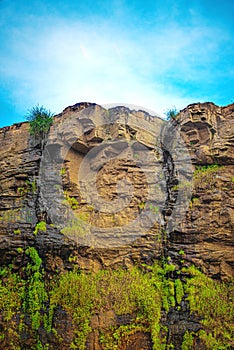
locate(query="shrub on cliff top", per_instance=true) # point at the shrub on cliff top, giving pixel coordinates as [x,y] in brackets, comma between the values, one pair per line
[171,113]
[40,120]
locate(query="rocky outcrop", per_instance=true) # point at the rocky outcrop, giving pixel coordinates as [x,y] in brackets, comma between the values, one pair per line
[117,147]
[206,232]
[119,187]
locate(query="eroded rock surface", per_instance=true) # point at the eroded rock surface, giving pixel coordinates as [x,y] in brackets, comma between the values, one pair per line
[116,188]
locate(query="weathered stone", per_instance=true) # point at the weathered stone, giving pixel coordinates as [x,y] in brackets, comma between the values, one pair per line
[132,161]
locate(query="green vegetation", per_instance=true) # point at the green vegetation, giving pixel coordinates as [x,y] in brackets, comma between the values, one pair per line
[32,185]
[77,227]
[187,341]
[40,226]
[179,289]
[22,191]
[194,201]
[141,293]
[90,207]
[62,171]
[20,250]
[206,174]
[29,187]
[141,205]
[214,302]
[40,120]
[154,208]
[12,215]
[182,185]
[211,168]
[171,114]
[113,339]
[11,291]
[71,201]
[34,291]
[17,232]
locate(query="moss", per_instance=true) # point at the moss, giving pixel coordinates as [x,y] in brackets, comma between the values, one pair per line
[194,201]
[125,292]
[168,294]
[20,250]
[62,171]
[74,294]
[187,343]
[212,301]
[179,289]
[141,205]
[34,298]
[21,190]
[17,232]
[30,186]
[139,293]
[40,226]
[116,335]
[11,291]
[211,342]
[70,201]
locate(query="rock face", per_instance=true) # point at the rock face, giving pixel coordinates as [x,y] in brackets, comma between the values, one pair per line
[117,147]
[119,188]
[206,233]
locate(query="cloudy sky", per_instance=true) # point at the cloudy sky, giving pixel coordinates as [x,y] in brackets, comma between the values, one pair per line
[153,53]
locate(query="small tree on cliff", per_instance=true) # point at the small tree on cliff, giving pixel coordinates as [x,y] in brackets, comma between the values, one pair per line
[171,113]
[40,120]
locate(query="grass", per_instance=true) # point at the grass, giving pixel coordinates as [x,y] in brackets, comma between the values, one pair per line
[213,302]
[77,227]
[71,201]
[206,174]
[142,294]
[62,171]
[40,120]
[29,187]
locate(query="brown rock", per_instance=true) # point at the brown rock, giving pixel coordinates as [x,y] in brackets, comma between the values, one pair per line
[134,157]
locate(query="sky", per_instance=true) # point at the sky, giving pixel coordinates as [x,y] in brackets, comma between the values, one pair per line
[157,54]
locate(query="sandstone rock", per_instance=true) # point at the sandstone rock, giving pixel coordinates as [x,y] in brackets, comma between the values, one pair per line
[115,188]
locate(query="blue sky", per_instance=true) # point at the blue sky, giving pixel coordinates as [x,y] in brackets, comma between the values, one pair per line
[156,54]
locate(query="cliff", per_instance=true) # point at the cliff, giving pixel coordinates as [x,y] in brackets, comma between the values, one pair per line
[116,189]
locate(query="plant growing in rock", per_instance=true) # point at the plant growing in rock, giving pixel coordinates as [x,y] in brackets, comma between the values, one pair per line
[213,302]
[71,201]
[141,205]
[187,341]
[76,227]
[17,231]
[28,187]
[40,226]
[171,113]
[40,120]
[62,171]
